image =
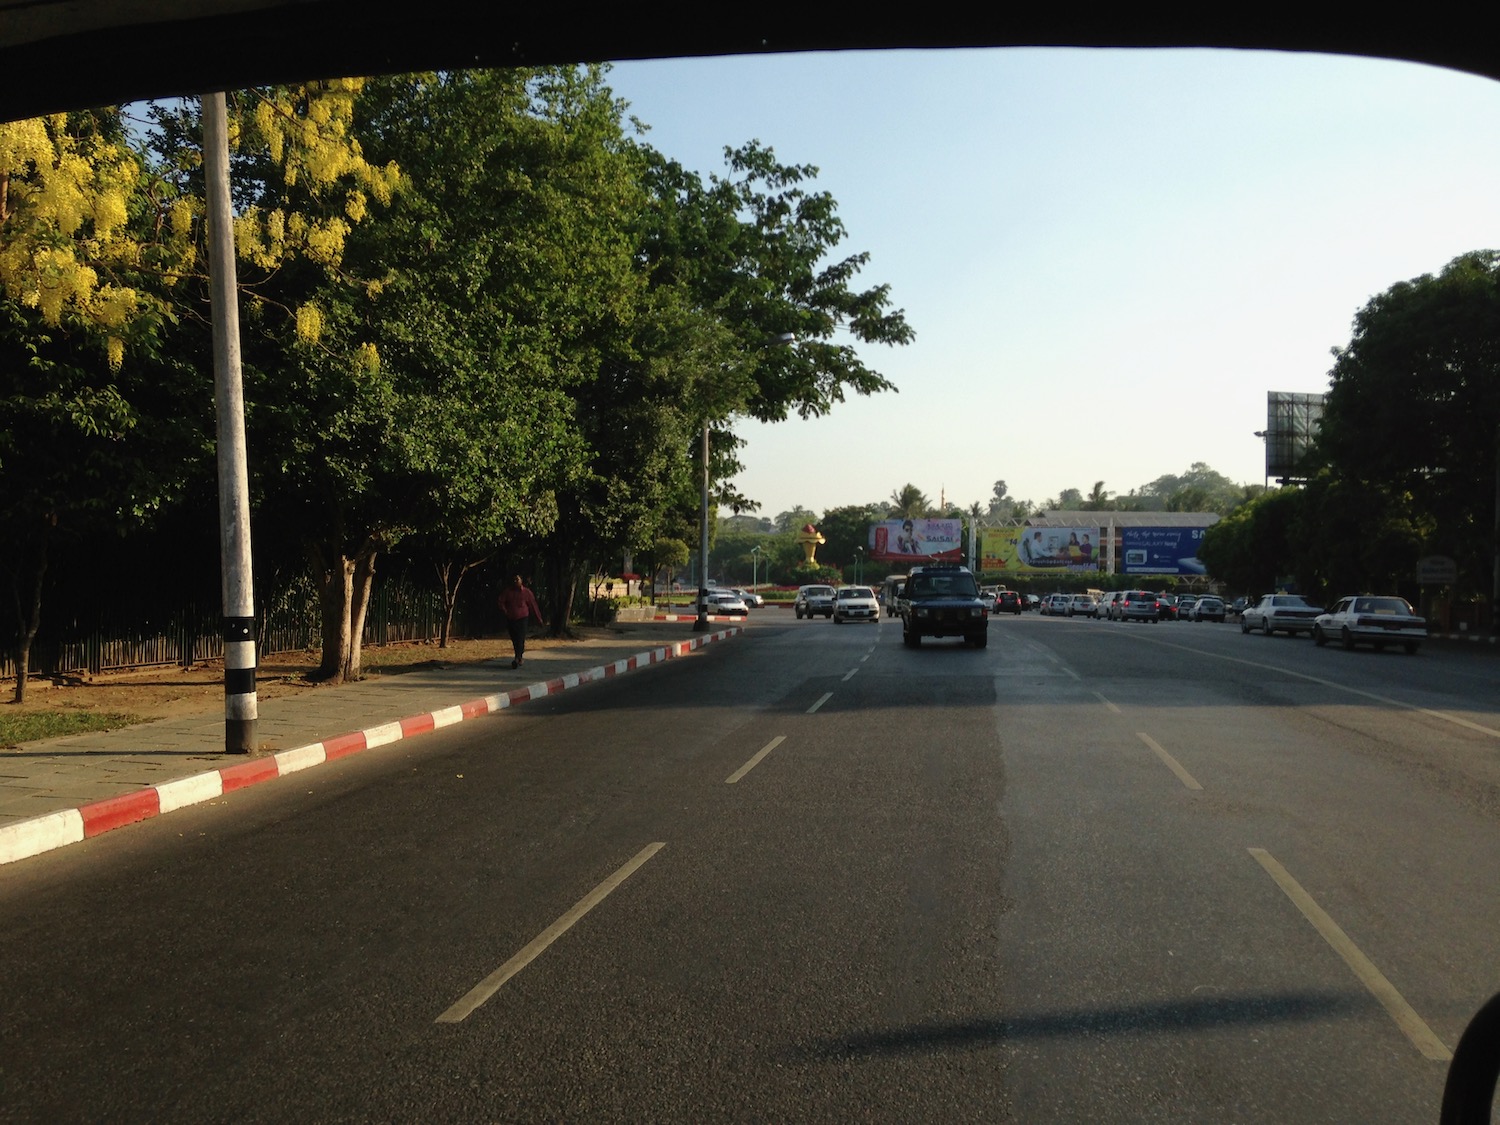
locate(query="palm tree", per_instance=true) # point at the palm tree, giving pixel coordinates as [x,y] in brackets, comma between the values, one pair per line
[909,503]
[1098,497]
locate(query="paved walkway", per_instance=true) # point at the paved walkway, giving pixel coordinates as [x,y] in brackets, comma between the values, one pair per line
[62,790]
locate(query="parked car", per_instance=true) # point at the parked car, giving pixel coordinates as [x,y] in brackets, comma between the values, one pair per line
[1166,607]
[1109,603]
[1208,608]
[750,598]
[943,601]
[1237,607]
[813,601]
[1185,605]
[1055,605]
[1082,605]
[1287,613]
[725,603]
[1372,620]
[1140,605]
[855,603]
[1008,601]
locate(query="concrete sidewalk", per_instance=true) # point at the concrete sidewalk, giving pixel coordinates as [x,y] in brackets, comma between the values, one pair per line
[62,790]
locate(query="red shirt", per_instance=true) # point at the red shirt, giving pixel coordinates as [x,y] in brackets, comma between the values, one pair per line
[519,603]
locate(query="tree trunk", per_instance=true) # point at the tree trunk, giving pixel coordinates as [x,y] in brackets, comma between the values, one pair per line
[450,592]
[345,582]
[563,575]
[28,601]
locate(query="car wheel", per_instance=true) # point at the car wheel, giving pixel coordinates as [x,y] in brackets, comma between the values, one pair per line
[911,640]
[837,620]
[1244,626]
[1346,638]
[1318,638]
[982,640]
[1266,626]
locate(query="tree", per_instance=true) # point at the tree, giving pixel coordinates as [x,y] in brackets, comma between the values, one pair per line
[845,529]
[908,503]
[89,243]
[1414,405]
[1259,545]
[795,519]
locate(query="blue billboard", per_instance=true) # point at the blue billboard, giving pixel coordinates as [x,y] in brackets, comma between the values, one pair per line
[1161,550]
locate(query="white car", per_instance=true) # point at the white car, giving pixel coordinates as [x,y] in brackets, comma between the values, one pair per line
[855,603]
[725,603]
[749,597]
[1371,620]
[1289,613]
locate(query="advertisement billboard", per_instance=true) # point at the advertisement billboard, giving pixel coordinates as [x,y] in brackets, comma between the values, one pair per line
[1161,550]
[1039,550]
[917,541]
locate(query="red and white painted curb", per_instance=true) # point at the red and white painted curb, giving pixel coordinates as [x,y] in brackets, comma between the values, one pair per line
[27,838]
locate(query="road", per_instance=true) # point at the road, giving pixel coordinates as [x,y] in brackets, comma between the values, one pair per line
[1095,871]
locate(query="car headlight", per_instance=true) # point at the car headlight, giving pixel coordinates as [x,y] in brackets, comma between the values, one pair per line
[923,611]
[976,611]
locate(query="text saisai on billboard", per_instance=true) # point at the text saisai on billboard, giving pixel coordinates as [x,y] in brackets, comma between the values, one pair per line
[916,540]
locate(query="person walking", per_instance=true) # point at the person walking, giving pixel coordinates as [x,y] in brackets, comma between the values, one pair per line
[519,606]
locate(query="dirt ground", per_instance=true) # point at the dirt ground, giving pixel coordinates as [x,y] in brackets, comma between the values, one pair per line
[170,692]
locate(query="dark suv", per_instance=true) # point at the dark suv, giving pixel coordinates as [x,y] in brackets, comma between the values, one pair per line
[943,601]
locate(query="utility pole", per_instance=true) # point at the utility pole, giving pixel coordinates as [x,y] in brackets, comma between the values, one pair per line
[237,574]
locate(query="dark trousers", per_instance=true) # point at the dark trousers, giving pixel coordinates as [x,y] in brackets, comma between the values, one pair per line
[517,629]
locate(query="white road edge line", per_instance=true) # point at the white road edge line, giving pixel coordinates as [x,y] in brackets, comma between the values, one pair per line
[1171,763]
[827,695]
[538,945]
[1406,1018]
[755,761]
[849,675]
[1108,704]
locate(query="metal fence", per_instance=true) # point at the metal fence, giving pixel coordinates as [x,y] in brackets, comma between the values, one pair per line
[288,622]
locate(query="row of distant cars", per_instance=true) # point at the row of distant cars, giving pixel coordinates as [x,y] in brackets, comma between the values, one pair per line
[1135,605]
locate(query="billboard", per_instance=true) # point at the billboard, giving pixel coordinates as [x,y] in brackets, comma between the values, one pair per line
[917,541]
[1161,550]
[1039,550]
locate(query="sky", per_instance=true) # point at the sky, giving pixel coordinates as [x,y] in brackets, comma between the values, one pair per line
[1109,257]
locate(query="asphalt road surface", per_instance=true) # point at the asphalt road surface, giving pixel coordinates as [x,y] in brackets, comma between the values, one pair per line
[1094,872]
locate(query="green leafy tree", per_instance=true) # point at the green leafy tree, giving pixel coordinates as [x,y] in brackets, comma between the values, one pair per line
[795,519]
[1259,544]
[1414,405]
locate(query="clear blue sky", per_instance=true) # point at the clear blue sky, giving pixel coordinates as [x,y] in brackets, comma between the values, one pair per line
[1109,256]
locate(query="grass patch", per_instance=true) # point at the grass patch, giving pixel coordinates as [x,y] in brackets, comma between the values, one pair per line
[28,726]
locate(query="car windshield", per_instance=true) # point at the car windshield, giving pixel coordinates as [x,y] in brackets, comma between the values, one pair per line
[942,586]
[591,336]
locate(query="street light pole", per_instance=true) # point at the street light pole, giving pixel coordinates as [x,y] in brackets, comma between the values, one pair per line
[701,624]
[859,565]
[754,558]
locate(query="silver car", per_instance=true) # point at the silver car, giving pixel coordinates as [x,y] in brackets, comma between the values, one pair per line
[1286,613]
[814,601]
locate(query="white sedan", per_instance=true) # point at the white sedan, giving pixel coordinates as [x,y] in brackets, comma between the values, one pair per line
[1287,613]
[855,603]
[1371,620]
[723,603]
